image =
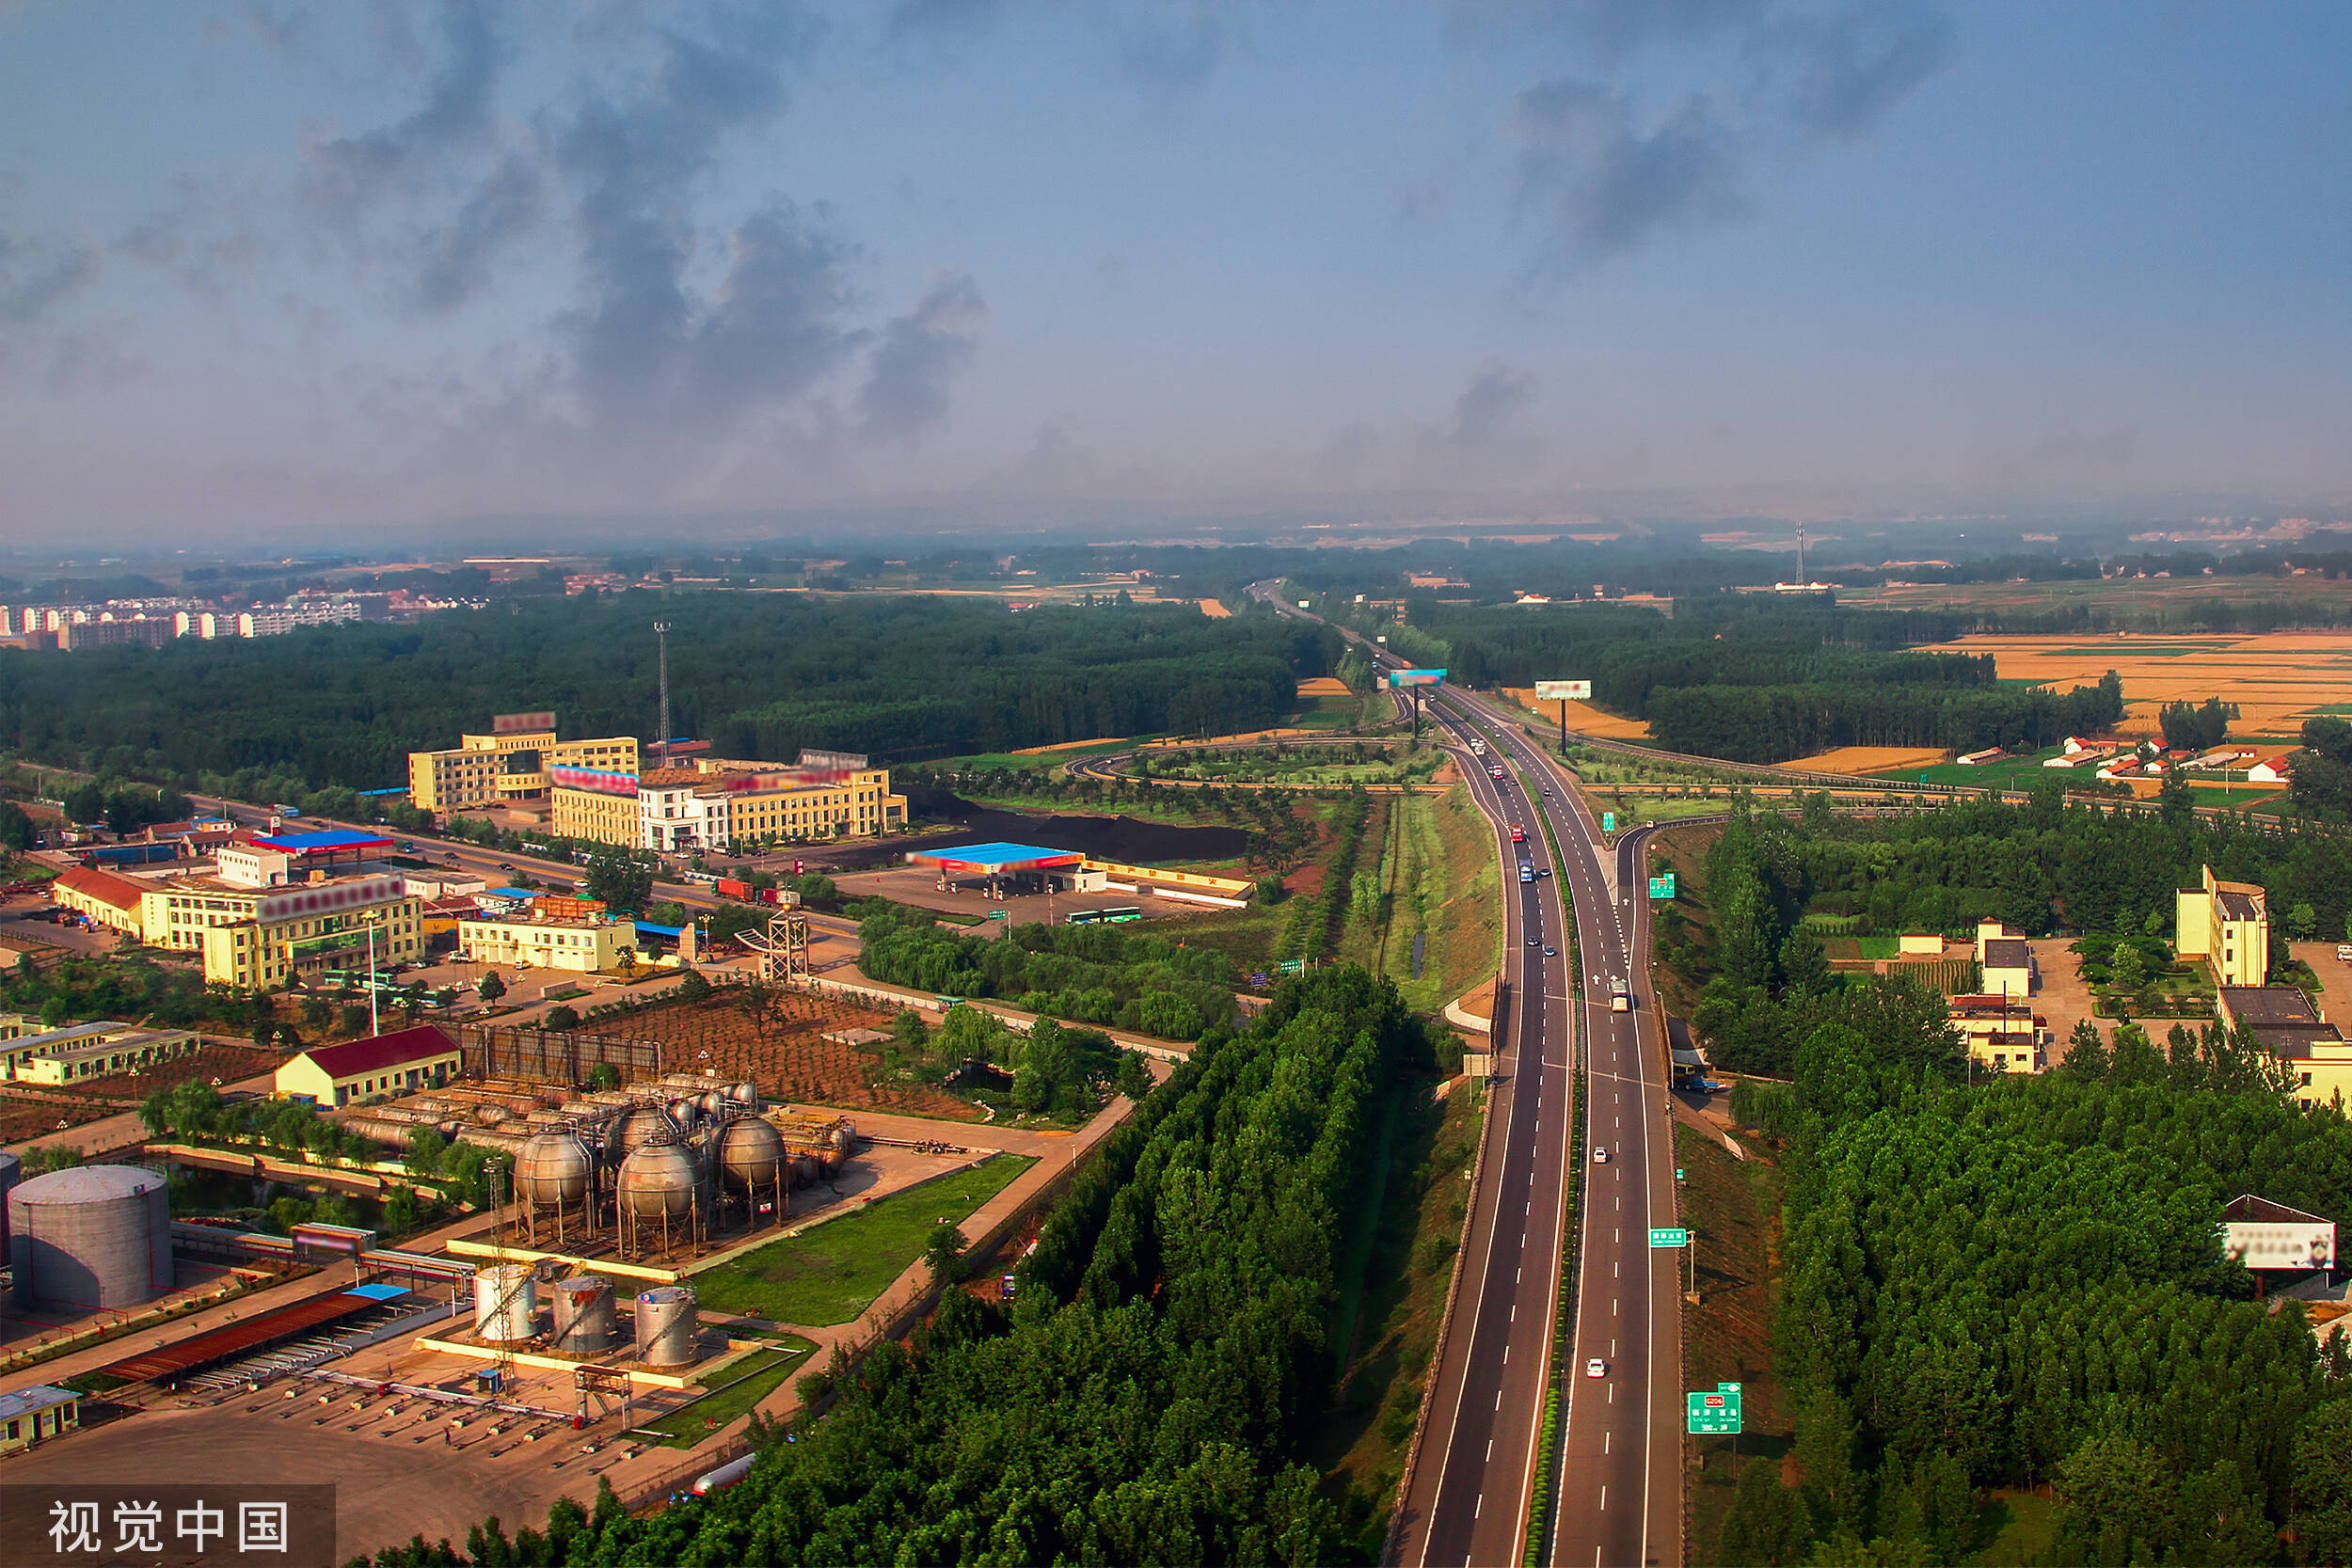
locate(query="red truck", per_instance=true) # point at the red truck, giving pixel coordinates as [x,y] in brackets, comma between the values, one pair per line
[728,887]
[1518,834]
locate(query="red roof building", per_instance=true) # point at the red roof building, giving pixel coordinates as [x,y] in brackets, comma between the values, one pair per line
[381,1064]
[105,898]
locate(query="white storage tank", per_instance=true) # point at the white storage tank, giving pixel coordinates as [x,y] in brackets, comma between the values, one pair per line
[95,1236]
[505,1303]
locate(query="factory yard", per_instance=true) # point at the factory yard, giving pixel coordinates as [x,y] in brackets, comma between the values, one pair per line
[787,1055]
[28,1112]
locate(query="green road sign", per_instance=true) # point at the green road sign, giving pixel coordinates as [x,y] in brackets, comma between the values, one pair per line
[1676,1236]
[1714,1414]
[1663,887]
[1679,1176]
[1726,1388]
[997,914]
[1608,822]
[1291,966]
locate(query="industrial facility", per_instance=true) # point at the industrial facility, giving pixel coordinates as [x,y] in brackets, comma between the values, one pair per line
[93,1237]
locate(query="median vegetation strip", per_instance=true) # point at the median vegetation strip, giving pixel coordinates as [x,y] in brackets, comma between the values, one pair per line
[834,1271]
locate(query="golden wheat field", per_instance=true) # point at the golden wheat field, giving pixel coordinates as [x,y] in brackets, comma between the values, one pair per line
[2276,679]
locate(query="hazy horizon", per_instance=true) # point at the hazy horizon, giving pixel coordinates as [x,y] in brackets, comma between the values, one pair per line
[278,272]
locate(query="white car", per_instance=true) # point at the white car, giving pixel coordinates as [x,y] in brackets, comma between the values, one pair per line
[1600,1155]
[1595,1368]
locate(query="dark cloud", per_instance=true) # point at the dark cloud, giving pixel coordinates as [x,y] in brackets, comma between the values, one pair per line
[1837,75]
[1489,409]
[1486,438]
[918,358]
[345,176]
[454,258]
[1605,186]
[36,275]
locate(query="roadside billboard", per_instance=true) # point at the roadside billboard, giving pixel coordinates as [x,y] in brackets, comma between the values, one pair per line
[1416,677]
[1563,691]
[521,723]
[2281,1244]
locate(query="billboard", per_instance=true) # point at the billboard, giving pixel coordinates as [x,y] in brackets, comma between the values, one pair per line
[329,898]
[521,723]
[833,762]
[599,780]
[1563,691]
[2281,1244]
[1416,677]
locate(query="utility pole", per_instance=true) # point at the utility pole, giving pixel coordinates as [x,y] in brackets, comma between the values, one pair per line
[661,737]
[1802,579]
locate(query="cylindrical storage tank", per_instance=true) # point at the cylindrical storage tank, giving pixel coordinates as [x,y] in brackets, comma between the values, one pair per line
[383,1131]
[11,1168]
[751,1154]
[804,1168]
[505,1302]
[714,1104]
[686,1113]
[491,1116]
[668,1333]
[95,1236]
[635,1128]
[584,1324]
[586,1110]
[658,1181]
[747,1092]
[552,1170]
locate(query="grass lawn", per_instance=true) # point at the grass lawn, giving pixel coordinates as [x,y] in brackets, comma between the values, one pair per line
[741,1386]
[2020,772]
[832,1273]
[2023,1528]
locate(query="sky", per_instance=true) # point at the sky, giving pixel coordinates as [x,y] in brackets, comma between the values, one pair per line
[273,267]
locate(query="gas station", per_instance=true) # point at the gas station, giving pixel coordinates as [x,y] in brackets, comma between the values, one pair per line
[996,866]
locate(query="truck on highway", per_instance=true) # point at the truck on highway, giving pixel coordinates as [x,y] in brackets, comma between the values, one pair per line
[1527,872]
[1518,834]
[1620,999]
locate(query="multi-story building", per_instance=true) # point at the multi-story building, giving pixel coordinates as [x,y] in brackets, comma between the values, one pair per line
[2227,924]
[719,804]
[549,937]
[136,631]
[277,619]
[510,763]
[103,898]
[258,938]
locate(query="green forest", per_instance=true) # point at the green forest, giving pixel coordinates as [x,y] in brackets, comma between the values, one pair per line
[1086,974]
[2020,1284]
[1759,681]
[757,675]
[2037,866]
[1149,1395]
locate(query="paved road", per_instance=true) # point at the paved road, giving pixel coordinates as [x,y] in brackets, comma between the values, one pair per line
[1618,1497]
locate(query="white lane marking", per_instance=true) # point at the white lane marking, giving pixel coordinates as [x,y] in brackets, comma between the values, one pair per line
[1604,1497]
[1491,1447]
[1604,1441]
[1506,1355]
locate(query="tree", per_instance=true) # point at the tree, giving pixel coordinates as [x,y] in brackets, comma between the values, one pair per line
[562,1020]
[1135,1078]
[2322,1515]
[762,1003]
[317,1011]
[491,988]
[944,1253]
[16,828]
[623,882]
[692,988]
[1804,963]
[604,1075]
[352,1018]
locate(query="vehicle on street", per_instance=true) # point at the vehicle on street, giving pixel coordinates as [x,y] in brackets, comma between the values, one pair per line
[1600,1154]
[1534,941]
[1549,953]
[506,866]
[1620,1000]
[1595,1368]
[1527,872]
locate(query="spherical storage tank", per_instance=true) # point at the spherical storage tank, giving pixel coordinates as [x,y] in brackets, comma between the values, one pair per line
[583,1314]
[95,1236]
[505,1302]
[659,1180]
[668,1333]
[751,1154]
[552,1170]
[637,1126]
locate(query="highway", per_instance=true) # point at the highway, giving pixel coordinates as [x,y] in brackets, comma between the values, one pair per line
[1617,1499]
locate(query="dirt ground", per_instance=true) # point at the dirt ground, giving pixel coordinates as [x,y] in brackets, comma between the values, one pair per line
[919,886]
[1582,716]
[790,1060]
[2065,997]
[2334,1000]
[27,1111]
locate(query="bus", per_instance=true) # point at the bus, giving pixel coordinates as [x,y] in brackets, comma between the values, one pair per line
[1083,917]
[1120,914]
[1527,872]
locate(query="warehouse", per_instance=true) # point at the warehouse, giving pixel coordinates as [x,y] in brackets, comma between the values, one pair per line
[92,1051]
[339,1074]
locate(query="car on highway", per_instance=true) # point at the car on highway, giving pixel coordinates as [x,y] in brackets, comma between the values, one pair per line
[1596,1367]
[1600,1154]
[1534,941]
[1550,954]
[506,866]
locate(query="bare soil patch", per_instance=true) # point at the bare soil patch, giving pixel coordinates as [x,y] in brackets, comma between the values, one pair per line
[789,1058]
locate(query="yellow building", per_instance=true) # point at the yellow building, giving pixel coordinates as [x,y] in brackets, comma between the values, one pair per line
[2002,1033]
[92,1051]
[260,938]
[721,804]
[509,763]
[595,805]
[2227,924]
[414,1058]
[103,898]
[585,946]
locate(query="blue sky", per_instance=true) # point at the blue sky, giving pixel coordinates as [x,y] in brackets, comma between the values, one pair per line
[275,266]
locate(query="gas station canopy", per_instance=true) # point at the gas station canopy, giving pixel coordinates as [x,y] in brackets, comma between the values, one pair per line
[994,860]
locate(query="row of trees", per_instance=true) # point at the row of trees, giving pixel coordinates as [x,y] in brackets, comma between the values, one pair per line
[2020,1284]
[1147,1396]
[760,676]
[1093,974]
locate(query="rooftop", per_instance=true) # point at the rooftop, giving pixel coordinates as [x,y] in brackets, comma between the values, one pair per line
[327,841]
[104,886]
[2263,1210]
[994,857]
[40,1396]
[401,1046]
[2250,1007]
[2008,953]
[2239,906]
[2295,1041]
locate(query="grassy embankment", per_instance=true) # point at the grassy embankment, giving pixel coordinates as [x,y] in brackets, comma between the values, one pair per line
[1439,883]
[741,1386]
[834,1271]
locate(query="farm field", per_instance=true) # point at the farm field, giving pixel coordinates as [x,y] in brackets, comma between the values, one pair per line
[1582,716]
[2276,679]
[1867,759]
[2139,604]
[786,1054]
